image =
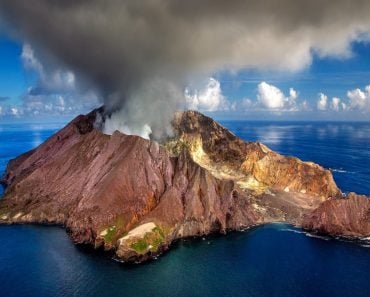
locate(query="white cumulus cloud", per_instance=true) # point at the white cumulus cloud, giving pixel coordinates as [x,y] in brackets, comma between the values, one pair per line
[359,100]
[210,98]
[322,102]
[58,104]
[334,105]
[271,97]
[293,93]
[15,111]
[337,104]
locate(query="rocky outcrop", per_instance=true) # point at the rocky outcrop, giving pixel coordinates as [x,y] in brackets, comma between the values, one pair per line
[252,164]
[136,196]
[343,217]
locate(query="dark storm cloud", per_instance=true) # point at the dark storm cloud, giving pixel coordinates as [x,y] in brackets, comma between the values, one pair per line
[133,50]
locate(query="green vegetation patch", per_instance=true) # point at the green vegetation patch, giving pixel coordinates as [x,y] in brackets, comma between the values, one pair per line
[114,231]
[150,242]
[111,234]
[140,246]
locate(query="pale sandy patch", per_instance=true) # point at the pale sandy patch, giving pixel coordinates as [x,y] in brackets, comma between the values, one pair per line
[18,215]
[139,231]
[104,232]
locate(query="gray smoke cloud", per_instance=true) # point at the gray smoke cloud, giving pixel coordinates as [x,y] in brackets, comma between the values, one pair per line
[140,55]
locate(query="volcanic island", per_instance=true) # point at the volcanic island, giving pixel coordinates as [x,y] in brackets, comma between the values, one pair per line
[134,197]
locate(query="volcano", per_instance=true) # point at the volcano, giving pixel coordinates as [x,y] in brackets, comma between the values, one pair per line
[134,197]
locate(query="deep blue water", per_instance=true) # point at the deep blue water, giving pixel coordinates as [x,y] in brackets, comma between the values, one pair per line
[272,260]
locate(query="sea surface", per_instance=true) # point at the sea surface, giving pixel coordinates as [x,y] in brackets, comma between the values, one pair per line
[271,260]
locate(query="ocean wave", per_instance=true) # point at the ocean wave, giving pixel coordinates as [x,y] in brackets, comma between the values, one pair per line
[294,231]
[306,233]
[317,236]
[339,170]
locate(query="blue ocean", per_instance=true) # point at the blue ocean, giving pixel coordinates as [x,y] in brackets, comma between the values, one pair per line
[271,260]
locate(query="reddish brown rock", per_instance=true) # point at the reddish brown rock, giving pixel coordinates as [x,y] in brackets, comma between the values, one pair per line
[91,182]
[136,196]
[345,217]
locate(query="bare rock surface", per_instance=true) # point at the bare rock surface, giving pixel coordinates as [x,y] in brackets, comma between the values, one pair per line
[343,217]
[136,196]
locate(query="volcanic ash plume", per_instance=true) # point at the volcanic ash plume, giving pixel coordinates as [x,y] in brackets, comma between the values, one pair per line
[141,55]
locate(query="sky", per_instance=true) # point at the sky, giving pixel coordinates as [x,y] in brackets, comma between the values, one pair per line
[333,77]
[19,74]
[318,73]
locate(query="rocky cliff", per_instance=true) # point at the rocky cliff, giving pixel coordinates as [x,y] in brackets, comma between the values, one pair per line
[136,196]
[343,217]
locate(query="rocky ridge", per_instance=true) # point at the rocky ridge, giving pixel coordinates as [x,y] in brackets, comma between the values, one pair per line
[134,196]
